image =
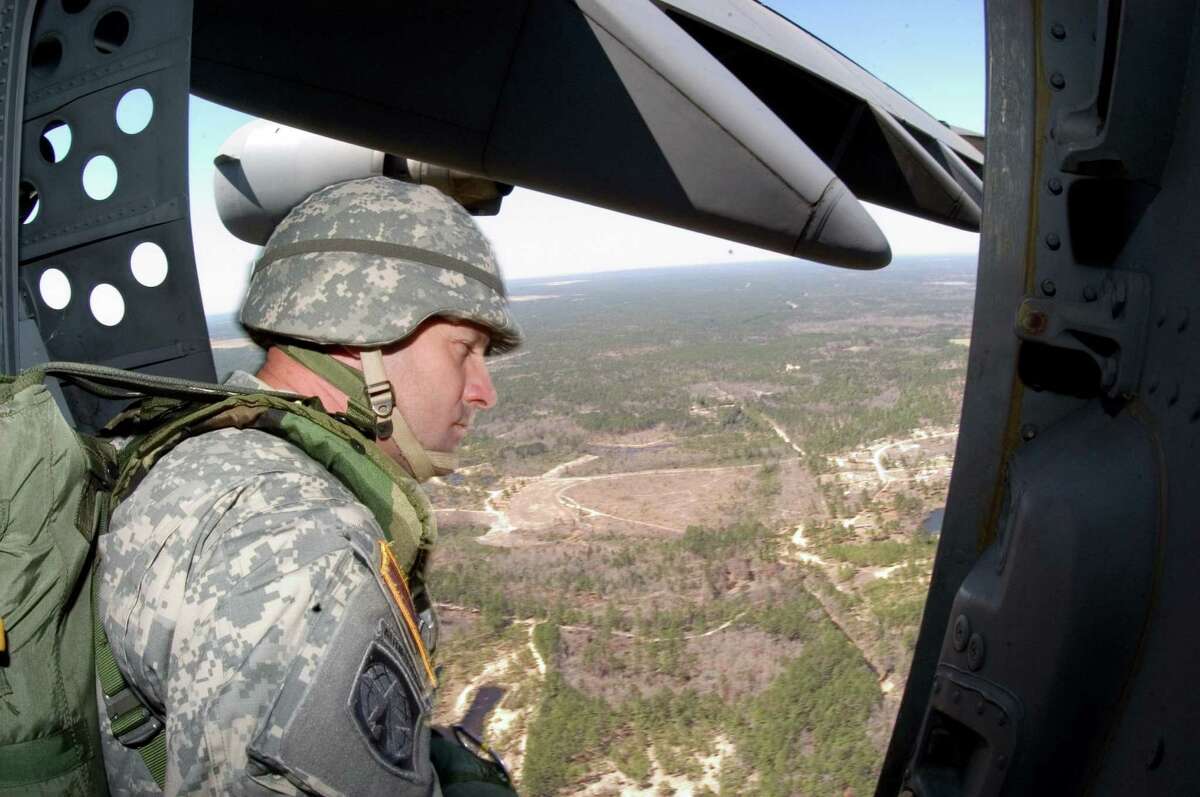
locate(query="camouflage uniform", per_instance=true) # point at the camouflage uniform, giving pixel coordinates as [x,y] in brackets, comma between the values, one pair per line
[236,576]
[238,584]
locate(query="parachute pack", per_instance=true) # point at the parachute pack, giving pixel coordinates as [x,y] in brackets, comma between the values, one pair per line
[58,489]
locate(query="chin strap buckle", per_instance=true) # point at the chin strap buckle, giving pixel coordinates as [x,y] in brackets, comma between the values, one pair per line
[379,392]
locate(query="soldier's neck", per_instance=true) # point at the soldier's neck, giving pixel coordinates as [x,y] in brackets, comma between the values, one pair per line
[283,373]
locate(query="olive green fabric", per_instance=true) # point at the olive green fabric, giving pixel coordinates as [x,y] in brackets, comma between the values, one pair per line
[49,729]
[461,773]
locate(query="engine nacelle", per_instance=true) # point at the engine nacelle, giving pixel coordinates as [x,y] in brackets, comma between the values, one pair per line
[265,169]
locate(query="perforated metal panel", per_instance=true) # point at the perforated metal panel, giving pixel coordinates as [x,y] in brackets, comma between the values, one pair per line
[84,58]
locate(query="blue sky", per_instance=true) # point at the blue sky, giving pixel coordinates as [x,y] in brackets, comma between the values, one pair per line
[930,51]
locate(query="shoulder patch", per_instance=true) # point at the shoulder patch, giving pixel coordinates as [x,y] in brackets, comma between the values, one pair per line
[397,589]
[385,710]
[359,724]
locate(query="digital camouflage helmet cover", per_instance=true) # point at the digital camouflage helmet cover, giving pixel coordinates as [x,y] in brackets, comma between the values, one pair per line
[362,264]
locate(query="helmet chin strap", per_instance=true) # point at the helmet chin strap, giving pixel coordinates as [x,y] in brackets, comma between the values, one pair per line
[390,427]
[391,430]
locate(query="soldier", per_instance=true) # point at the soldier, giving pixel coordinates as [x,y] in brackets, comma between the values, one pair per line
[250,598]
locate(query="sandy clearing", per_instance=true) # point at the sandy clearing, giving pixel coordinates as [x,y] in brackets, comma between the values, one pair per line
[664,501]
[877,452]
[490,672]
[614,782]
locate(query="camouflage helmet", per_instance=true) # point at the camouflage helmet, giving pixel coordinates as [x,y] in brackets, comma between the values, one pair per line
[364,262]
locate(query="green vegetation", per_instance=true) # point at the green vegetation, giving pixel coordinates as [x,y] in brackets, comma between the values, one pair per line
[742,539]
[566,728]
[883,552]
[806,733]
[546,639]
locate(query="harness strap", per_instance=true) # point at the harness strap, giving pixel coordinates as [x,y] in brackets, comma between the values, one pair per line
[130,719]
[422,463]
[132,722]
[139,384]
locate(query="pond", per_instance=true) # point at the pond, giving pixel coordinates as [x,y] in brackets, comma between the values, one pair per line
[485,700]
[932,524]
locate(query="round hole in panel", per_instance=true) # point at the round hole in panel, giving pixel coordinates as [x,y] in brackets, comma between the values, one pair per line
[149,264]
[134,111]
[46,55]
[55,289]
[74,6]
[55,142]
[29,202]
[111,31]
[100,177]
[108,305]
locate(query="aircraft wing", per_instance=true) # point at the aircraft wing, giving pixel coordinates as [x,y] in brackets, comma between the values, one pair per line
[714,115]
[646,108]
[884,147]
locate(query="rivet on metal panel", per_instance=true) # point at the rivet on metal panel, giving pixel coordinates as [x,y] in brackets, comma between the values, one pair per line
[1183,321]
[1090,294]
[937,685]
[1153,387]
[1058,31]
[975,652]
[980,706]
[1055,185]
[962,631]
[1174,397]
[1053,241]
[1057,81]
[1049,288]
[1031,321]
[1162,318]
[1028,432]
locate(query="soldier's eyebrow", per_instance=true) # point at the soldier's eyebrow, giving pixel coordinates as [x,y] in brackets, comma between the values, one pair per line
[475,337]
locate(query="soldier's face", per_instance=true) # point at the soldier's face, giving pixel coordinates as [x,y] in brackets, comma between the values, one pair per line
[440,380]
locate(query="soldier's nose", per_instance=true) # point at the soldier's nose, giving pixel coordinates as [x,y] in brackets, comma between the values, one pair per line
[479,392]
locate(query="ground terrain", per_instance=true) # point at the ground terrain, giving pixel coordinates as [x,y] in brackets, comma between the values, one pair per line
[688,552]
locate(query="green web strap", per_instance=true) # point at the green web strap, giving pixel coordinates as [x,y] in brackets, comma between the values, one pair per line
[341,376]
[133,724]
